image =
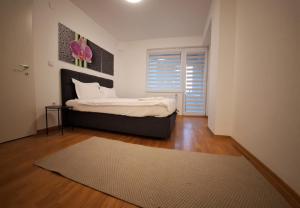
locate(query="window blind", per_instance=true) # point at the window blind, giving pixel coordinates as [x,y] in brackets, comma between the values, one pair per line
[195,84]
[164,72]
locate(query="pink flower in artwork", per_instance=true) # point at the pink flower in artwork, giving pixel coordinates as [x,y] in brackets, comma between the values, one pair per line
[80,50]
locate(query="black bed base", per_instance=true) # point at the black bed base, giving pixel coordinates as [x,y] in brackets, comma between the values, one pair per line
[141,126]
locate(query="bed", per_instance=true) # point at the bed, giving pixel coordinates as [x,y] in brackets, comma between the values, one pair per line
[148,126]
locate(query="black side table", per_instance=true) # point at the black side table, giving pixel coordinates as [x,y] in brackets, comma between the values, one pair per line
[59,109]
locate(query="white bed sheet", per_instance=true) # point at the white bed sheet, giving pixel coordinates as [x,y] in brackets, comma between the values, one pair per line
[134,107]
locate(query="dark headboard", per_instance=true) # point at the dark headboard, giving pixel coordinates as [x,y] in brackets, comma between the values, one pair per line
[68,88]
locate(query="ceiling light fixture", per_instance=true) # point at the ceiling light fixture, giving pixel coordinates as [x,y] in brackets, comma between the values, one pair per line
[133,1]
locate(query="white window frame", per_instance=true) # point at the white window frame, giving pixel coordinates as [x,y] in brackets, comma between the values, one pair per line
[183,51]
[191,50]
[164,51]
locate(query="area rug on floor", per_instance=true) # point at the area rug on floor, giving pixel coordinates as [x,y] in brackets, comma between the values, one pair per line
[162,178]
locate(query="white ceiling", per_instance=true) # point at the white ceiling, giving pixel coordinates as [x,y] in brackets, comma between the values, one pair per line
[148,19]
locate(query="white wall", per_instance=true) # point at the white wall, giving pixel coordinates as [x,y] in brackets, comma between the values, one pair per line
[254,80]
[45,33]
[267,89]
[131,78]
[221,29]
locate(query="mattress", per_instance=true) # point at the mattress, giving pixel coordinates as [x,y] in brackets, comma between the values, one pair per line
[134,107]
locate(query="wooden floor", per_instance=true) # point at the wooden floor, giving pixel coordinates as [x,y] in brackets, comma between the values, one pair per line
[24,185]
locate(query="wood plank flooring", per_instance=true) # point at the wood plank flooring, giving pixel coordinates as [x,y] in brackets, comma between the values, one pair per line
[24,185]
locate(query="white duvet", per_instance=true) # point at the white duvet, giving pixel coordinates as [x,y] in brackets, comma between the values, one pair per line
[136,107]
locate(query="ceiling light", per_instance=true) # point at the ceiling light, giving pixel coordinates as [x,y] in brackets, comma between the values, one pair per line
[133,1]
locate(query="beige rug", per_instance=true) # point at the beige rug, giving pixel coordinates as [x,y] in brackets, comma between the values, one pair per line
[161,178]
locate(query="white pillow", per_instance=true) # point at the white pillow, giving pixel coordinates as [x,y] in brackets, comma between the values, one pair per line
[107,92]
[87,90]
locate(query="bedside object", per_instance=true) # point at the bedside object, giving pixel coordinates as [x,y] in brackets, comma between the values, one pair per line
[59,109]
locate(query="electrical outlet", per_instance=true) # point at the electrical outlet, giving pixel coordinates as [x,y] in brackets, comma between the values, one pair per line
[50,64]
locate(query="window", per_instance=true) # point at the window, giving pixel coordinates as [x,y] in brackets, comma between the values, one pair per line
[181,71]
[195,83]
[164,72]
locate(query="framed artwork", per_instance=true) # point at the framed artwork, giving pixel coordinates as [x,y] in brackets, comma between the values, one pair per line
[75,49]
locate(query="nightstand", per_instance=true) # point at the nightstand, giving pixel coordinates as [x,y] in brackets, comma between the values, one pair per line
[59,109]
